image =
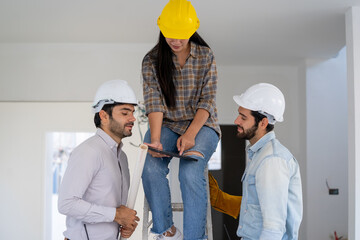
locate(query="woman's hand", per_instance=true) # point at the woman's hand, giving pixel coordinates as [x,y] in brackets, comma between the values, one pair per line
[157,145]
[187,140]
[184,143]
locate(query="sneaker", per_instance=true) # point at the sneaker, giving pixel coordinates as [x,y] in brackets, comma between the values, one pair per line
[177,236]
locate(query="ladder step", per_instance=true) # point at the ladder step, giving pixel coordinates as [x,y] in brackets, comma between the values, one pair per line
[177,207]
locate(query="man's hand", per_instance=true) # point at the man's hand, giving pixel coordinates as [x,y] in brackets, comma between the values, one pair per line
[125,233]
[127,218]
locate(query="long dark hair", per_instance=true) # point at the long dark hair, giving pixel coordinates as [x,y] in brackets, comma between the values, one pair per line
[165,66]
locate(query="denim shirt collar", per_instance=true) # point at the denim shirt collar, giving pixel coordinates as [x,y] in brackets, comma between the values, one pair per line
[252,149]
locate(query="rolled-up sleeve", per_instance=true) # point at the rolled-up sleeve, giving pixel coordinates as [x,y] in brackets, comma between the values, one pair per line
[152,95]
[79,173]
[272,183]
[208,91]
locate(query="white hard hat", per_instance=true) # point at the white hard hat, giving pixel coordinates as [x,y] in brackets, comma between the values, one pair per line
[264,98]
[113,91]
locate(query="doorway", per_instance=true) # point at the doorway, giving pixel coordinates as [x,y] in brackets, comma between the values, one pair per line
[233,160]
[59,145]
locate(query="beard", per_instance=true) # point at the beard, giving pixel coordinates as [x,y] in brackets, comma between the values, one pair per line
[248,133]
[119,130]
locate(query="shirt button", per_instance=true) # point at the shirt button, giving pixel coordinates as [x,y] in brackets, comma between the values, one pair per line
[240,227]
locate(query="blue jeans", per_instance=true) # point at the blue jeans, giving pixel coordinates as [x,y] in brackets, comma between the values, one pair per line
[192,183]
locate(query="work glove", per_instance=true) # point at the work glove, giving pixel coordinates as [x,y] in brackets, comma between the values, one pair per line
[223,202]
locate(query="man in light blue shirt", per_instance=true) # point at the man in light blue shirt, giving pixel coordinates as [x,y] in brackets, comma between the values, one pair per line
[271,207]
[94,190]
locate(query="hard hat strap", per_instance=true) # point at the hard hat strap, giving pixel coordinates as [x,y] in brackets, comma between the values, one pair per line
[270,117]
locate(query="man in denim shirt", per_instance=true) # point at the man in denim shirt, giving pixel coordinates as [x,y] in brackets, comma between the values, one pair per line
[271,206]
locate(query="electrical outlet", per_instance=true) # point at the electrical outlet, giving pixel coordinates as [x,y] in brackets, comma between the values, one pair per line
[333,191]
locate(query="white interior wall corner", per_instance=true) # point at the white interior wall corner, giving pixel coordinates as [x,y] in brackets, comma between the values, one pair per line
[326,146]
[353,81]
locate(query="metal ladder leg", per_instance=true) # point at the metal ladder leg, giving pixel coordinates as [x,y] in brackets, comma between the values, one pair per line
[146,222]
[209,231]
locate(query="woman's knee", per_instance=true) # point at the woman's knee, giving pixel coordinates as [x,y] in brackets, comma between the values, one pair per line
[194,153]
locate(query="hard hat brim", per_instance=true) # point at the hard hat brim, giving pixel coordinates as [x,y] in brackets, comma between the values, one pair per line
[176,33]
[238,100]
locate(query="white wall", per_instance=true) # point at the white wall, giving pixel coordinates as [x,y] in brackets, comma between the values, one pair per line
[302,155]
[326,147]
[353,82]
[66,71]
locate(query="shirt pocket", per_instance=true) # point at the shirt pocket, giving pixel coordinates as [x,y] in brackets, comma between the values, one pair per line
[252,193]
[253,221]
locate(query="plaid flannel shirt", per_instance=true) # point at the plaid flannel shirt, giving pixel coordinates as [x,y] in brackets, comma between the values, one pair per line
[195,85]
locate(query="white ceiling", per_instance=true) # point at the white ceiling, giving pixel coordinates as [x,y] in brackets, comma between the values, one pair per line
[239,31]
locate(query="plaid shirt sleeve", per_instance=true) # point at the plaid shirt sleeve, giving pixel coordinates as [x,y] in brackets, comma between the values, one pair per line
[208,91]
[151,90]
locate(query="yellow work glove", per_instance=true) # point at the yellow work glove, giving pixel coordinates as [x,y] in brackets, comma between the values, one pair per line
[223,202]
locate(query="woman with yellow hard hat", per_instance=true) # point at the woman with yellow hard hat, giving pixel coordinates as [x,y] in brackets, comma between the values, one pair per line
[179,86]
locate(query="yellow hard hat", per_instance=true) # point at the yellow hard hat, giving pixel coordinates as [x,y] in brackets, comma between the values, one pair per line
[178,20]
